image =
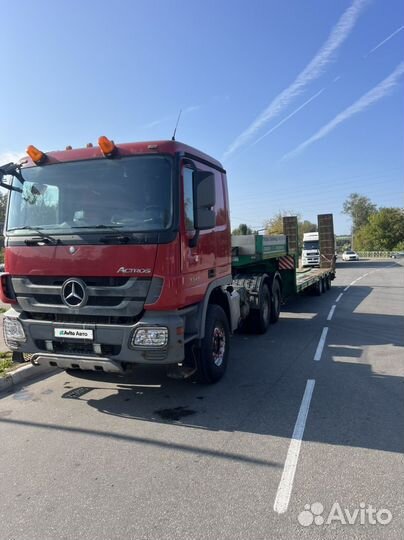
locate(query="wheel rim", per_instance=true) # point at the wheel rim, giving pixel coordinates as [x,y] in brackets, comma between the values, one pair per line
[218,345]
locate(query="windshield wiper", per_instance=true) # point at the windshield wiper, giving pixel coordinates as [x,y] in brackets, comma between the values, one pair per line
[115,237]
[44,237]
[97,227]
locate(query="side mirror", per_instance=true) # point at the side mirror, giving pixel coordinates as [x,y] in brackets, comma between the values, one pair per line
[205,199]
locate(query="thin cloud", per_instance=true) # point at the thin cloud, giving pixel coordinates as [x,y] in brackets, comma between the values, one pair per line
[192,108]
[385,40]
[155,123]
[312,71]
[316,95]
[375,94]
[10,156]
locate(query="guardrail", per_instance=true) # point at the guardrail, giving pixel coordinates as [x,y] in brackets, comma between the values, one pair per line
[376,254]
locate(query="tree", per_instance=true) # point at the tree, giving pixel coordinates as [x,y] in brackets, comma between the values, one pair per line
[383,232]
[242,229]
[275,224]
[3,206]
[359,208]
[307,226]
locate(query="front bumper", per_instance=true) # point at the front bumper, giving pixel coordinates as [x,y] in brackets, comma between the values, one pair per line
[109,350]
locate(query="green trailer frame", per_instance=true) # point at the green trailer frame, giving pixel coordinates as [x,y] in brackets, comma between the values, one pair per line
[270,254]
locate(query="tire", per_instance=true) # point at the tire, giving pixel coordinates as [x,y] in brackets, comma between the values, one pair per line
[212,359]
[328,283]
[318,288]
[276,300]
[18,357]
[260,318]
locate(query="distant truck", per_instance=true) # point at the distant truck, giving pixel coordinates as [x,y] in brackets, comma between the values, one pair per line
[311,249]
[119,255]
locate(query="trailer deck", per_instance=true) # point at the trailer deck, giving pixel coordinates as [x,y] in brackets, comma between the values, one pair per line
[306,277]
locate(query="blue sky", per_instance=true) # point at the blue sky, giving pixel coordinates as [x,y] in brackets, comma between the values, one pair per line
[75,70]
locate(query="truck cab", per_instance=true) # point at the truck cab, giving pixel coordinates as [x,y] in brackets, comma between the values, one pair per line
[311,249]
[113,253]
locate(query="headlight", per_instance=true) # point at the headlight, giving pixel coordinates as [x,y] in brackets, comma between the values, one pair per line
[151,336]
[13,333]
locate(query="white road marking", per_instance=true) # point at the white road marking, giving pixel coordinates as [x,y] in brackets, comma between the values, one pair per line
[339,297]
[331,313]
[321,343]
[346,288]
[286,484]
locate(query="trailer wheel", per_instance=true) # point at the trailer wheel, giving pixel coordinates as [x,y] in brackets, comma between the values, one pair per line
[212,358]
[318,288]
[276,301]
[261,317]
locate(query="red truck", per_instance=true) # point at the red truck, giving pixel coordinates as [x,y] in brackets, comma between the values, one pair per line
[117,255]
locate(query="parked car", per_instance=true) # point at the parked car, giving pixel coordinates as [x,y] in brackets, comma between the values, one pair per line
[350,256]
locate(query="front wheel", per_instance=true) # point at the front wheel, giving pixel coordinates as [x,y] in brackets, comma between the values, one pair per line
[212,358]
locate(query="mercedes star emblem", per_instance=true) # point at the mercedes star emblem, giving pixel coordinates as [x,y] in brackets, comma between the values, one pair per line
[74,293]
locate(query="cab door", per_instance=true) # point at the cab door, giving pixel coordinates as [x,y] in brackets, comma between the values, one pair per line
[198,248]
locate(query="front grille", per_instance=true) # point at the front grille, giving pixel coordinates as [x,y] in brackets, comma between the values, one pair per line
[109,299]
[69,347]
[82,319]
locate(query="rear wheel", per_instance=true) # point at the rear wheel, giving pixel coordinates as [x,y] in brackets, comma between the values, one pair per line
[276,301]
[211,361]
[261,317]
[318,288]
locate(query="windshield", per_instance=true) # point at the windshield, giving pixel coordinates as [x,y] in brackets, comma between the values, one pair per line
[310,244]
[132,194]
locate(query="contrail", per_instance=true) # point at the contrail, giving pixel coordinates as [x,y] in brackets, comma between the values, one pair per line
[289,116]
[313,70]
[378,92]
[384,40]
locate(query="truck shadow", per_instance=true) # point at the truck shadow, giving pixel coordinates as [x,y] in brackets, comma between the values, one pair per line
[357,401]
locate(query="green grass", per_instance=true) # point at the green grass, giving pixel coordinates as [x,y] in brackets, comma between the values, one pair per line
[6,362]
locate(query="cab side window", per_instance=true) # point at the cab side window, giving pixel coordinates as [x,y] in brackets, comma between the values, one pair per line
[188,175]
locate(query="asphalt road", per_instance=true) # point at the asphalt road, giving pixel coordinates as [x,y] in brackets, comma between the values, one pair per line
[153,458]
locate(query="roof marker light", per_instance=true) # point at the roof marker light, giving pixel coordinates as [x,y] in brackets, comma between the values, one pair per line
[36,155]
[107,147]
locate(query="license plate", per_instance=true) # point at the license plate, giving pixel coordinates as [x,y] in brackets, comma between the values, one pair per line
[73,333]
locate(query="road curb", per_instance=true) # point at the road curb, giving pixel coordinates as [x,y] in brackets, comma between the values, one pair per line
[24,374]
